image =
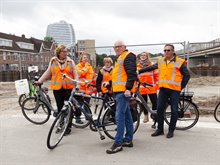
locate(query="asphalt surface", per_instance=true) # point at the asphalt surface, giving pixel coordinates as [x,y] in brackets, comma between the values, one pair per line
[23,143]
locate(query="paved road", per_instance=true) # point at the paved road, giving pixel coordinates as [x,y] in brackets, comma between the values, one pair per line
[22,143]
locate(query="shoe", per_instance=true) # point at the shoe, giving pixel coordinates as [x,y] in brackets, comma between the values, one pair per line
[157,133]
[127,144]
[67,132]
[170,135]
[79,122]
[114,149]
[146,119]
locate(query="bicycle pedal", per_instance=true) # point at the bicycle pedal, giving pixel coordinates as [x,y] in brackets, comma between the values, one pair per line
[102,137]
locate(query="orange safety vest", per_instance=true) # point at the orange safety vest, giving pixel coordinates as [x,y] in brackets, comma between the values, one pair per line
[169,74]
[57,81]
[107,76]
[85,73]
[119,75]
[92,89]
[149,78]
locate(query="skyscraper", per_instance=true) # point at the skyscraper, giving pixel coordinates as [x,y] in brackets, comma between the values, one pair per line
[62,32]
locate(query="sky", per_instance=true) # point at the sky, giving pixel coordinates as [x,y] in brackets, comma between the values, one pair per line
[134,21]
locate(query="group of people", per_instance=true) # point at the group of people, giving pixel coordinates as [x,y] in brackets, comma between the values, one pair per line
[168,76]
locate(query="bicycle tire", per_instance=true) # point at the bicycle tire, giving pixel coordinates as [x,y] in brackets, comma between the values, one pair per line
[22,99]
[58,127]
[85,121]
[191,113]
[217,113]
[109,120]
[38,113]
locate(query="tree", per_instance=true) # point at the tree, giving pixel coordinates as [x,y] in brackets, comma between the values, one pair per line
[49,39]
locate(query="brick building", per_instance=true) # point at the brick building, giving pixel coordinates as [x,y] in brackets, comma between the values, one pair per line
[17,53]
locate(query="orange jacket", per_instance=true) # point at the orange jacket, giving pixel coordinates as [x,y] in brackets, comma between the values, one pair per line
[85,73]
[169,74]
[56,81]
[107,76]
[119,75]
[149,78]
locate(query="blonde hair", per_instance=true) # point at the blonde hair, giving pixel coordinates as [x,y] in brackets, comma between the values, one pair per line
[83,54]
[107,59]
[59,49]
[147,54]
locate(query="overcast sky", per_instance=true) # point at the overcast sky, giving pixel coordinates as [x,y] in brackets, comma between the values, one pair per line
[134,21]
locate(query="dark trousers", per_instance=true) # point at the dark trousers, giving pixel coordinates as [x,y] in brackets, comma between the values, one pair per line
[153,99]
[60,96]
[163,96]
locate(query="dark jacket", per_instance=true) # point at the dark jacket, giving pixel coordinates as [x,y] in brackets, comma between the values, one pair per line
[183,70]
[99,81]
[130,68]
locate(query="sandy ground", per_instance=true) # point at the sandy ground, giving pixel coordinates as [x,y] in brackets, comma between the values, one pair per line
[206,93]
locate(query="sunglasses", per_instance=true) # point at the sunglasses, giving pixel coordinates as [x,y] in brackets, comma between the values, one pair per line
[167,50]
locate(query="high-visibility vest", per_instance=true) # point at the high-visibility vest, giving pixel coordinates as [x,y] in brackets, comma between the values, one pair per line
[149,78]
[86,75]
[57,82]
[169,74]
[92,89]
[119,75]
[107,76]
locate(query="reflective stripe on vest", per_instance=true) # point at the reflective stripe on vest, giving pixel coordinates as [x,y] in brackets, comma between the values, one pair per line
[119,75]
[172,81]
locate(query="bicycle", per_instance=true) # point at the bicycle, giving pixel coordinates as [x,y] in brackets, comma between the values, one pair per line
[106,124]
[37,109]
[188,113]
[217,112]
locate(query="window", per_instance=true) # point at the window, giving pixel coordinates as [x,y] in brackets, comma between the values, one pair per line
[25,45]
[5,42]
[8,57]
[4,55]
[23,57]
[16,56]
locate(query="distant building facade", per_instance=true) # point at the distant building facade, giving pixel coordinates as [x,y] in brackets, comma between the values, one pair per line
[17,53]
[62,32]
[87,46]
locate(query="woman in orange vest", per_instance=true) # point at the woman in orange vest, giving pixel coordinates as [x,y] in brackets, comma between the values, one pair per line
[62,88]
[149,78]
[85,73]
[103,81]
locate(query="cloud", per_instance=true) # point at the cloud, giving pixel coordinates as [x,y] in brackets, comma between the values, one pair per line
[135,22]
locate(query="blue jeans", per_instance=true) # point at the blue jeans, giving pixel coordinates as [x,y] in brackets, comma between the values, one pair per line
[123,119]
[163,96]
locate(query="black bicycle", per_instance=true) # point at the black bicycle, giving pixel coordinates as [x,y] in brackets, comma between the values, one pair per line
[105,121]
[217,112]
[188,113]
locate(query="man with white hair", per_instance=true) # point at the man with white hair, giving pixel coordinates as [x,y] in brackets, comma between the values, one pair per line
[123,79]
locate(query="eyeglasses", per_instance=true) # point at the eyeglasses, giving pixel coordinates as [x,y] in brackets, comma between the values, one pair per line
[167,50]
[119,46]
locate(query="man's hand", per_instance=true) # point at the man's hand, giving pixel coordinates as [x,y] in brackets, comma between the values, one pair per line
[127,93]
[105,84]
[37,83]
[100,94]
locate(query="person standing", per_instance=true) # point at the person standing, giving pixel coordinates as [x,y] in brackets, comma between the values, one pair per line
[124,76]
[149,78]
[173,77]
[60,64]
[104,78]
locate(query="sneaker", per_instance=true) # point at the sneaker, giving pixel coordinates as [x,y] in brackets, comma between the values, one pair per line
[114,149]
[79,122]
[127,144]
[146,119]
[170,135]
[157,133]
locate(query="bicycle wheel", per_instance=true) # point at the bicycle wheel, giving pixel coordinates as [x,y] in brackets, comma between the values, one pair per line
[109,121]
[35,111]
[22,98]
[217,113]
[79,116]
[187,117]
[58,128]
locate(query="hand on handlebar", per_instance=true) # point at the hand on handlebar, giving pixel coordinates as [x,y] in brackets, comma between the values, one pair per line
[37,83]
